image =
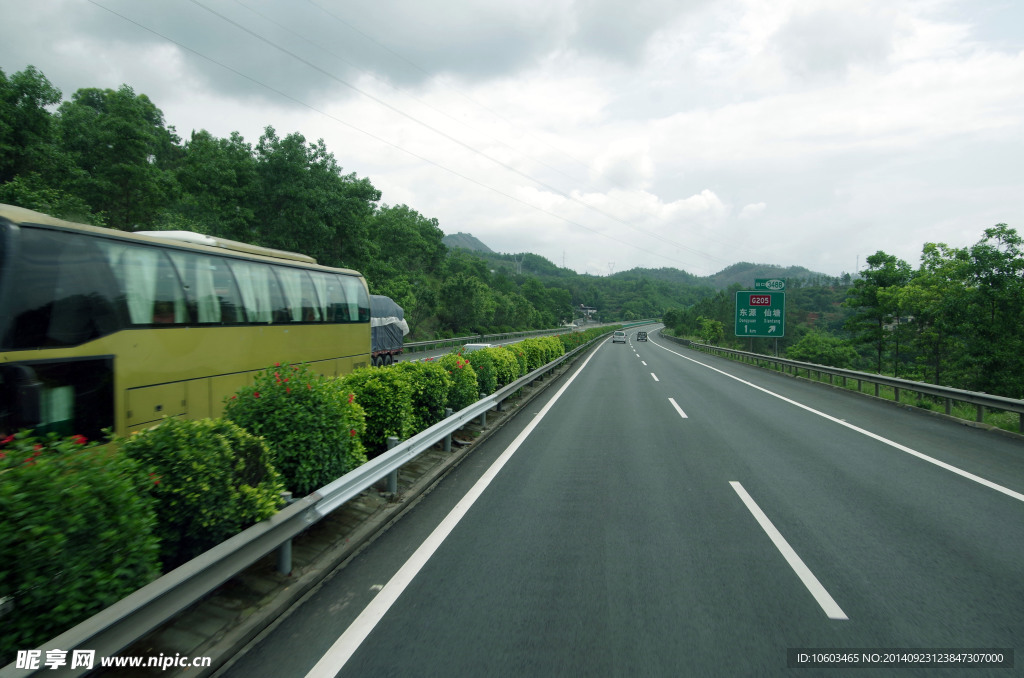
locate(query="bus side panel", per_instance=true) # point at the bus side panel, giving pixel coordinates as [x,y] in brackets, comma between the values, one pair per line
[155,369]
[152,403]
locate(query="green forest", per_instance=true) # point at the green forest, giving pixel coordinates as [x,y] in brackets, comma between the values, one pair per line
[107,157]
[955,320]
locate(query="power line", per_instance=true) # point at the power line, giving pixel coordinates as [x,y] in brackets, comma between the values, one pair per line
[364,132]
[442,133]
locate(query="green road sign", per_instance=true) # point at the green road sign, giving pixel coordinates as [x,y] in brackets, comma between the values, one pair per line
[770,284]
[760,314]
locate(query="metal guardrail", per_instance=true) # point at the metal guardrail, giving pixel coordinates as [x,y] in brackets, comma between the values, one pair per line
[126,621]
[981,401]
[415,346]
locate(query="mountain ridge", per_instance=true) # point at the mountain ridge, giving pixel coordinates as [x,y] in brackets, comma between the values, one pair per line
[742,273]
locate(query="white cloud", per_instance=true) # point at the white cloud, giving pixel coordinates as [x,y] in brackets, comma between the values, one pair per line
[752,210]
[867,124]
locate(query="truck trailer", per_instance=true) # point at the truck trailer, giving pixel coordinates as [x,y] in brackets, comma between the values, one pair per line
[387,329]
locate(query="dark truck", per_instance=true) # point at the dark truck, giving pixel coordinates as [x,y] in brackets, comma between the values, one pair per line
[387,329]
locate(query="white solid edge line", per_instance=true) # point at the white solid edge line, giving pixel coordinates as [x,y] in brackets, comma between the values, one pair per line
[655,376]
[342,650]
[828,605]
[678,409]
[903,448]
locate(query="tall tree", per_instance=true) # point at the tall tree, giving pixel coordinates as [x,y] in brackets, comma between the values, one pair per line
[305,204]
[27,136]
[123,154]
[875,308]
[219,186]
[994,344]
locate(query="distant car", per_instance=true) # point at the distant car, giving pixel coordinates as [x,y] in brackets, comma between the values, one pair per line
[641,336]
[618,337]
[469,348]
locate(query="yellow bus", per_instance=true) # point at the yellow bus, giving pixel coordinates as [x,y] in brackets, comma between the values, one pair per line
[102,328]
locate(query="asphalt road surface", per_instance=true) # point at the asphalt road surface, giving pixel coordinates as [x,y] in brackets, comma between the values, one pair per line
[665,513]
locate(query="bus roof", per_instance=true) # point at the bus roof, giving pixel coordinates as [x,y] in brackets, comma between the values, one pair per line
[23,216]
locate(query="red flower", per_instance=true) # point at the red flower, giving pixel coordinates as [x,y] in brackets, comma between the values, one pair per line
[79,439]
[37,447]
[351,398]
[256,394]
[277,364]
[352,433]
[287,389]
[7,440]
[234,397]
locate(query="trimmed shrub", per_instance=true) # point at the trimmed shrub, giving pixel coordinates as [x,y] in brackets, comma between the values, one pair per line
[211,479]
[534,353]
[520,356]
[553,348]
[311,423]
[482,362]
[76,535]
[464,390]
[506,367]
[386,395]
[430,385]
[571,340]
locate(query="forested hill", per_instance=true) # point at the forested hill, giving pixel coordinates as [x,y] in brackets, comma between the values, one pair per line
[108,158]
[467,242]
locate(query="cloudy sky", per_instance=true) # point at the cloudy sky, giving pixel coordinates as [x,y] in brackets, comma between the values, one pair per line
[605,134]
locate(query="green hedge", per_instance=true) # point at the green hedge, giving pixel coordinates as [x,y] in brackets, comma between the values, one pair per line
[430,386]
[534,352]
[76,535]
[386,395]
[482,362]
[311,423]
[464,390]
[211,480]
[503,363]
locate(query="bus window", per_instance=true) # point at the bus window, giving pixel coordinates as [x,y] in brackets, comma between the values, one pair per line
[261,294]
[331,297]
[62,292]
[210,290]
[356,298]
[299,294]
[150,284]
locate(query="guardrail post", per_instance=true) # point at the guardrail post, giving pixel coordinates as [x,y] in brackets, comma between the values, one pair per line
[284,551]
[448,438]
[393,476]
[483,415]
[981,413]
